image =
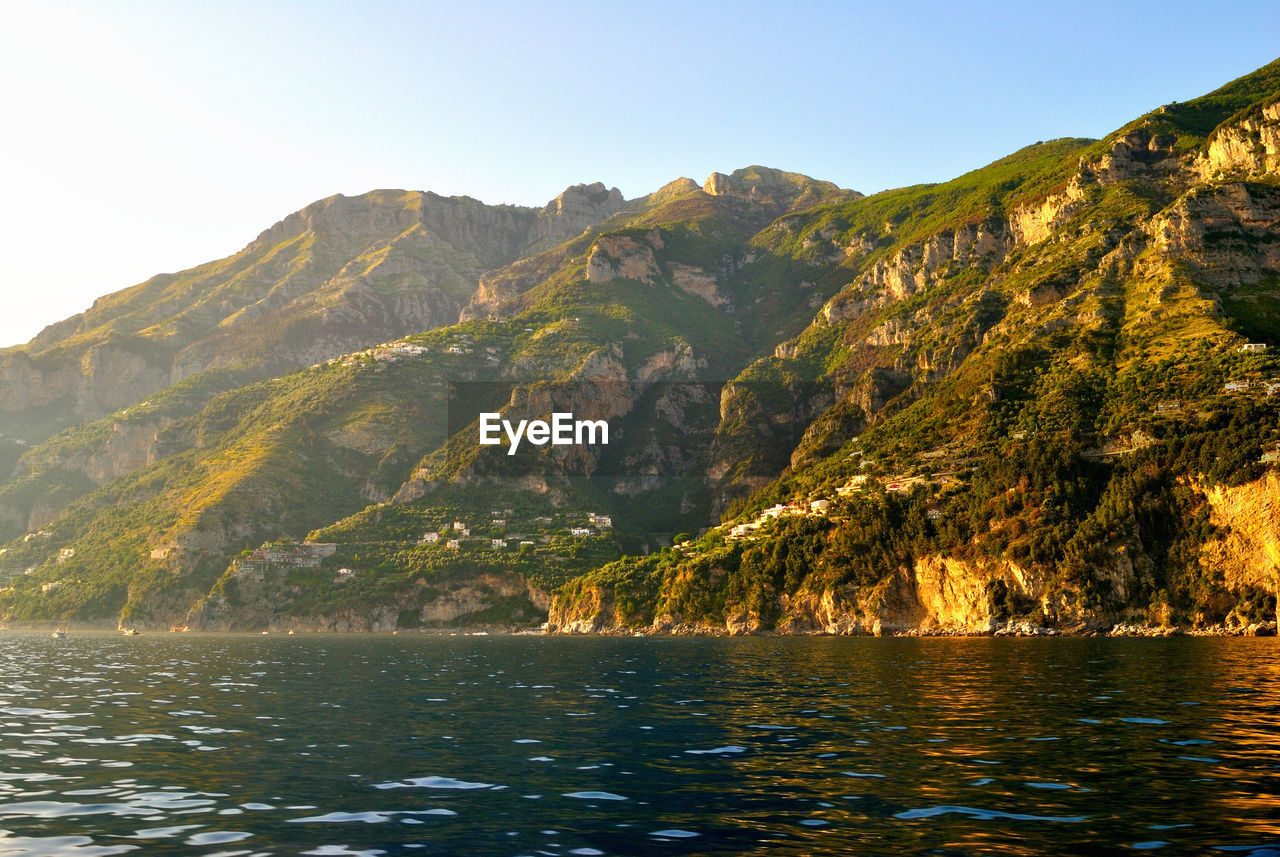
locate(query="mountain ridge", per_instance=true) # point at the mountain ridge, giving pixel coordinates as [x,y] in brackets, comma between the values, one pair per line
[1004,400]
[338,275]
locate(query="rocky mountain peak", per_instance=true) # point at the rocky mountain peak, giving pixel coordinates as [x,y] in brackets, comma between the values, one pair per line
[775,189]
[578,207]
[580,199]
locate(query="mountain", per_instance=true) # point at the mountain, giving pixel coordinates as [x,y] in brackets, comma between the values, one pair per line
[251,463]
[1046,396]
[1033,397]
[340,275]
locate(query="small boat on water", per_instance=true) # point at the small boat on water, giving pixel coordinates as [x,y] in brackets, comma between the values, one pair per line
[179,629]
[129,632]
[59,633]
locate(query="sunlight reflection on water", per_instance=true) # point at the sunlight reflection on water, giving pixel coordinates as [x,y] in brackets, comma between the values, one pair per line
[506,746]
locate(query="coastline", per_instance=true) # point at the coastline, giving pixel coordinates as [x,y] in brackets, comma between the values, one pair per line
[1009,629]
[1021,630]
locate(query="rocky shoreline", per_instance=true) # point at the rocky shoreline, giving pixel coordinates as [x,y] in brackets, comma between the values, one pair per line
[1006,629]
[1122,629]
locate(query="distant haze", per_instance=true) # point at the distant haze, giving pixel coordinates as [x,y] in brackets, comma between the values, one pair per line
[145,137]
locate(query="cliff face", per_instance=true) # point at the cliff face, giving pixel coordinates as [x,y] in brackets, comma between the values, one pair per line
[49,477]
[1226,232]
[1247,147]
[647,405]
[1247,550]
[630,245]
[58,389]
[937,595]
[573,211]
[775,191]
[591,609]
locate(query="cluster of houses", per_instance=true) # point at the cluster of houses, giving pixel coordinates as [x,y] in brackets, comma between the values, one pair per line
[387,352]
[901,484]
[501,537]
[1270,388]
[854,485]
[461,343]
[464,343]
[773,513]
[11,568]
[285,555]
[390,352]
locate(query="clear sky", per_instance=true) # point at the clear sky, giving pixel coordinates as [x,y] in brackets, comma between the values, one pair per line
[138,138]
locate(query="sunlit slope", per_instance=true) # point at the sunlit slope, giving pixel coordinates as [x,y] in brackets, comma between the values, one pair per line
[1046,400]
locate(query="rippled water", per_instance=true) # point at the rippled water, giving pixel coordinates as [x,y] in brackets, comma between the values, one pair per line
[569,746]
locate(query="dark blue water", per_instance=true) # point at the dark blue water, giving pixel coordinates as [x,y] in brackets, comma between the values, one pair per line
[553,746]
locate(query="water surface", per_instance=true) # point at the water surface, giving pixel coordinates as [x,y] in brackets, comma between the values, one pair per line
[224,745]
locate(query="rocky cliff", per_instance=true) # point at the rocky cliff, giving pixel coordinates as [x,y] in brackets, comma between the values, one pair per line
[941,595]
[1246,549]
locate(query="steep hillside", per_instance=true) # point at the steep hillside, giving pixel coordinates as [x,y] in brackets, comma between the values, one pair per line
[1043,396]
[1033,401]
[340,275]
[265,460]
[638,322]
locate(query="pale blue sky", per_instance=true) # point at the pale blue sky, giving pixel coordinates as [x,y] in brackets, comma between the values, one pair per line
[149,137]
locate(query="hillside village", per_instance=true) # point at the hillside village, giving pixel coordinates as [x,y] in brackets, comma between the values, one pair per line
[939,483]
[503,532]
[942,470]
[500,532]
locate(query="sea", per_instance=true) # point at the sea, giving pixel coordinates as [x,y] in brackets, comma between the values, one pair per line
[193,744]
